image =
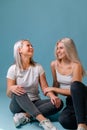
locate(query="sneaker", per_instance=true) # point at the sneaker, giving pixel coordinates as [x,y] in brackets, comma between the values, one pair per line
[20,119]
[81,128]
[47,125]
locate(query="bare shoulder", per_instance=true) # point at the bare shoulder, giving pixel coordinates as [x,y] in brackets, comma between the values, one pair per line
[77,66]
[53,63]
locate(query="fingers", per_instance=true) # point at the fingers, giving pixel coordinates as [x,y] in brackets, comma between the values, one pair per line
[46,90]
[56,102]
[18,90]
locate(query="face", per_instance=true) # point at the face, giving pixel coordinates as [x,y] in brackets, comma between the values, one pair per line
[60,51]
[26,49]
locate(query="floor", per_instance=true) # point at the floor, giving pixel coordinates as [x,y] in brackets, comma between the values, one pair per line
[6,120]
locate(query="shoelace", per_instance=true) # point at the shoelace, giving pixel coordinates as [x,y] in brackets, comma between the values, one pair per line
[26,120]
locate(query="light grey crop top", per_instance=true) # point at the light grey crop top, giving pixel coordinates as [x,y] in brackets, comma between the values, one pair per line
[64,80]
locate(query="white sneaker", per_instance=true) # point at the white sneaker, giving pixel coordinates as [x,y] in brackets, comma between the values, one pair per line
[47,125]
[81,128]
[20,119]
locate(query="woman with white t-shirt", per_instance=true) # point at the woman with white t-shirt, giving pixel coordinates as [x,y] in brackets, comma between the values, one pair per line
[23,79]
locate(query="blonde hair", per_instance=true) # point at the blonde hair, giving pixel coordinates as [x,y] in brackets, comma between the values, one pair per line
[17,56]
[71,51]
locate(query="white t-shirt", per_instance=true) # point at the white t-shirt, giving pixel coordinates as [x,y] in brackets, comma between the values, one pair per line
[29,79]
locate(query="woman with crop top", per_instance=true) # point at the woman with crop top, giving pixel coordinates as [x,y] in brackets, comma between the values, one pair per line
[67,72]
[23,79]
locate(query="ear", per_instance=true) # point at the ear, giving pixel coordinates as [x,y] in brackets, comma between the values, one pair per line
[19,50]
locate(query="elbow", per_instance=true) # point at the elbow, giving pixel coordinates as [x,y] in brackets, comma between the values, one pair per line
[8,94]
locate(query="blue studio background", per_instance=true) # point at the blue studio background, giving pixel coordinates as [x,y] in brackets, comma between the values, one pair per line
[43,22]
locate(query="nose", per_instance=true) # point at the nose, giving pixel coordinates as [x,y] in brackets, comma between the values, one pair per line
[58,50]
[31,46]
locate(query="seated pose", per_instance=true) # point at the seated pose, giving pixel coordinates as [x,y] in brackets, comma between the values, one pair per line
[67,72]
[23,78]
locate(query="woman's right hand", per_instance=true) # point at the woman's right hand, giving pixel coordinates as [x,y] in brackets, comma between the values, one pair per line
[18,90]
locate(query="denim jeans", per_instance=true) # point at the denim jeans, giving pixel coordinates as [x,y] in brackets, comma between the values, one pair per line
[24,104]
[79,97]
[76,107]
[67,117]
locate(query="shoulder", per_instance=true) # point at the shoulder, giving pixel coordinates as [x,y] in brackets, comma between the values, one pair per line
[77,67]
[39,68]
[11,73]
[12,67]
[53,63]
[38,65]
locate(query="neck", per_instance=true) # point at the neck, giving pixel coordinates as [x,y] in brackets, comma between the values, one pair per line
[65,61]
[25,63]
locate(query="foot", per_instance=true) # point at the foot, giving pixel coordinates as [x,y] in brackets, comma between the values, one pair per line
[47,125]
[20,119]
[81,128]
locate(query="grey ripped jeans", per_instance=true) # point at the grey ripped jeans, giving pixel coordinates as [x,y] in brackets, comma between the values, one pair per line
[24,104]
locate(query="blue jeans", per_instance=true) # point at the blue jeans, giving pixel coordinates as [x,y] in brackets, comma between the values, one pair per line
[24,104]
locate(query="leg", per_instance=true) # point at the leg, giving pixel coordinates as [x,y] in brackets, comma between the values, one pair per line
[47,108]
[23,103]
[67,118]
[14,106]
[79,97]
[29,107]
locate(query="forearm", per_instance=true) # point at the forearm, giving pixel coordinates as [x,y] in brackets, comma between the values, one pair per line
[65,92]
[8,92]
[49,94]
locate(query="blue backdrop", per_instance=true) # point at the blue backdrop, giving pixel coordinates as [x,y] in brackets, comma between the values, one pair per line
[43,22]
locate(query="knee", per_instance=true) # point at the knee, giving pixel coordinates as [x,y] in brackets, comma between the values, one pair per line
[76,85]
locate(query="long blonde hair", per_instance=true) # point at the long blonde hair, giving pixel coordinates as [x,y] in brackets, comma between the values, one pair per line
[17,56]
[71,51]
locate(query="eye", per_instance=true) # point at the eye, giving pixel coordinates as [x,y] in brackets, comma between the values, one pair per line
[61,47]
[29,45]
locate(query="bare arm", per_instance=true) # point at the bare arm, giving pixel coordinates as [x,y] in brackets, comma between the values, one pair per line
[77,76]
[61,91]
[54,99]
[9,84]
[13,88]
[55,82]
[55,87]
[44,84]
[77,72]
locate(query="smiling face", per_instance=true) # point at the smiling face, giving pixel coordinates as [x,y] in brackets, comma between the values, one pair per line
[26,49]
[60,51]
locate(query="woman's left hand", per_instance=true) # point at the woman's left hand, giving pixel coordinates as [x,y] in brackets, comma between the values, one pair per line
[54,99]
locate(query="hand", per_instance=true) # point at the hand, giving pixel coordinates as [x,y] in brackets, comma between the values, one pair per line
[18,90]
[48,89]
[56,101]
